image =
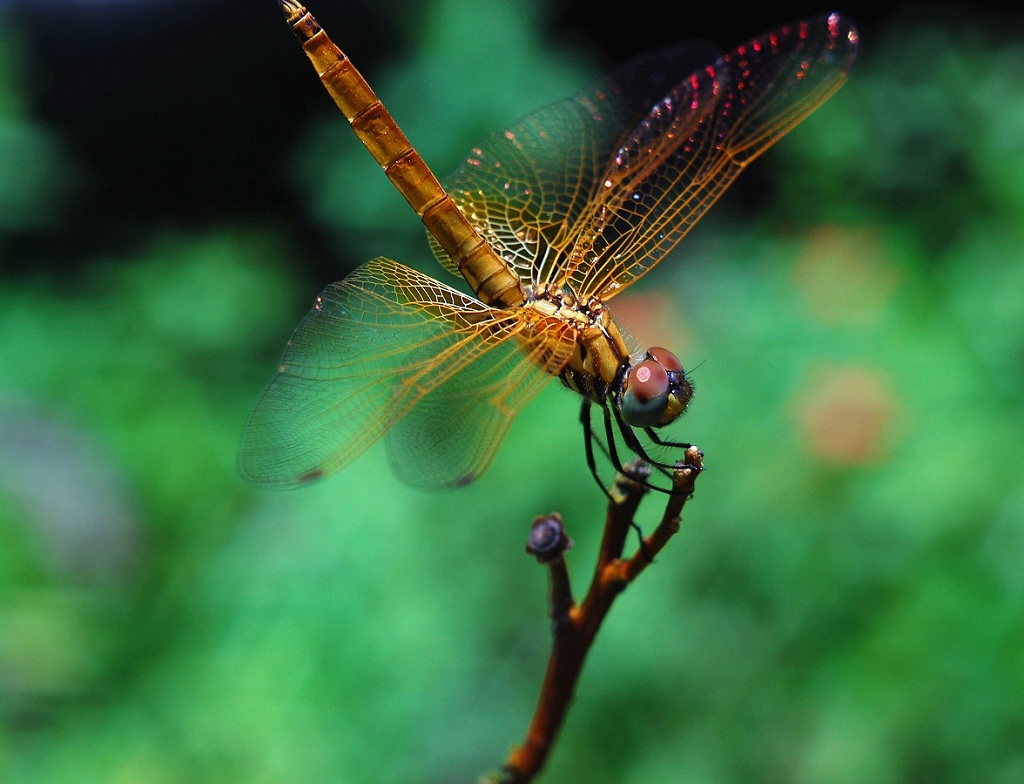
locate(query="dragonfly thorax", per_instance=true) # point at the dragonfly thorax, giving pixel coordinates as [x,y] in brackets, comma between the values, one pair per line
[554,301]
[599,353]
[651,392]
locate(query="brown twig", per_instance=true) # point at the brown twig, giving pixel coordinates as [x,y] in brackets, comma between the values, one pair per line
[575,626]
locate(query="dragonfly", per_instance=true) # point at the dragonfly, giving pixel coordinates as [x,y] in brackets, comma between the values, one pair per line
[546,222]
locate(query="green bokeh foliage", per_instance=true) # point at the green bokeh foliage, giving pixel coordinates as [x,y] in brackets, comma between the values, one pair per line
[844,603]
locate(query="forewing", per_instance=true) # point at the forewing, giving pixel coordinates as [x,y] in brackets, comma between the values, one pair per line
[661,182]
[594,191]
[373,347]
[526,189]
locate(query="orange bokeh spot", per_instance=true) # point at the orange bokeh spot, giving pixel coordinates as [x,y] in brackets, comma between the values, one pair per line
[846,413]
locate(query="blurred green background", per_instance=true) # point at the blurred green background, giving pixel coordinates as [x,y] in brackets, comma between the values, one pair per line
[845,602]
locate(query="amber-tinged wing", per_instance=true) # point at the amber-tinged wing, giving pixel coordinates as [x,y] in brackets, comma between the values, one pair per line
[524,189]
[630,187]
[390,349]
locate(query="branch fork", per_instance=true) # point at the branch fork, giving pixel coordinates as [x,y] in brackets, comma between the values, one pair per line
[575,625]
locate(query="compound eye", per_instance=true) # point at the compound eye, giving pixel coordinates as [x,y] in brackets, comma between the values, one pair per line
[665,358]
[646,393]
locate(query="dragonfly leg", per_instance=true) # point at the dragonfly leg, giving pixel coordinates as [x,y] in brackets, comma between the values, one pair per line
[610,451]
[610,435]
[589,437]
[631,441]
[634,446]
[653,435]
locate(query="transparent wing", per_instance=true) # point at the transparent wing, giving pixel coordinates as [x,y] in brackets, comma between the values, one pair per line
[626,188]
[524,189]
[450,436]
[386,343]
[660,183]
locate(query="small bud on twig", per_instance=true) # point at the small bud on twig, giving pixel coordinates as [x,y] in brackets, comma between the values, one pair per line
[548,539]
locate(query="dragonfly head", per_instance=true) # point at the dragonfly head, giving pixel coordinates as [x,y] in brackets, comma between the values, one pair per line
[656,391]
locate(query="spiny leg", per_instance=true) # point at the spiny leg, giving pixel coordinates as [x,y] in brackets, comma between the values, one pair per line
[589,437]
[610,451]
[631,441]
[629,436]
[653,435]
[638,451]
